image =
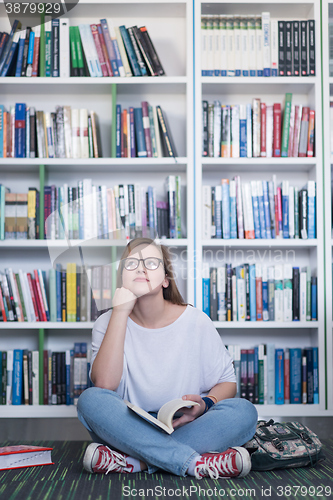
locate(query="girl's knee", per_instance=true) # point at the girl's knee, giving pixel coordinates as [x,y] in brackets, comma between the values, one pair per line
[92,397]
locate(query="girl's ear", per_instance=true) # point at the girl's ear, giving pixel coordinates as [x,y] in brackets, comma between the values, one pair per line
[165,283]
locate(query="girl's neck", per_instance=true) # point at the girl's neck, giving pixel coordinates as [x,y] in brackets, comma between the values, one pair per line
[150,312]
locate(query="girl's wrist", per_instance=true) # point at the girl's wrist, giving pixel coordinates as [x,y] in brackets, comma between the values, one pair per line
[208,402]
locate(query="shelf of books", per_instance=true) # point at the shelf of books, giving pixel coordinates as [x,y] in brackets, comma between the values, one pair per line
[327,71]
[96,147]
[259,185]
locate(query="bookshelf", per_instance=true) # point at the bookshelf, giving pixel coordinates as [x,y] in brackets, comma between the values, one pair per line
[171,30]
[327,17]
[210,171]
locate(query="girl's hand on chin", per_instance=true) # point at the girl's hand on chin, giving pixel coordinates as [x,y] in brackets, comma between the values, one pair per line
[124,300]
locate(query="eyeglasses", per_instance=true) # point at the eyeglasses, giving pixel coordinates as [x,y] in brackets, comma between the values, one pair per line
[150,263]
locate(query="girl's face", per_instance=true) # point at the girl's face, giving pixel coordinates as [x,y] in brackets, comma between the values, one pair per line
[142,281]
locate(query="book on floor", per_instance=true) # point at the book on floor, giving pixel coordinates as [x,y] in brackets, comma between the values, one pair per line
[165,414]
[17,456]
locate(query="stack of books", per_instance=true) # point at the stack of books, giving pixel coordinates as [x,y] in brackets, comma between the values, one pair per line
[257,46]
[258,209]
[255,292]
[269,375]
[258,131]
[59,50]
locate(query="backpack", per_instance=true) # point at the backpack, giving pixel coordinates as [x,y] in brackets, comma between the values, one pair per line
[281,445]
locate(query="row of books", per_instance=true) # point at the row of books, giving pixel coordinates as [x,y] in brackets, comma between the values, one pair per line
[68,294]
[90,211]
[65,376]
[253,292]
[260,130]
[234,45]
[59,50]
[65,133]
[269,375]
[143,132]
[258,209]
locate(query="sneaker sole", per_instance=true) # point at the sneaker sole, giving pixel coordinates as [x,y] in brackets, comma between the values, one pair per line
[246,460]
[89,453]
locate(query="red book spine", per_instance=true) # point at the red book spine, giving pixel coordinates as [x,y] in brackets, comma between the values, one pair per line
[5,120]
[277,130]
[94,31]
[32,292]
[104,50]
[125,133]
[146,127]
[279,207]
[45,378]
[35,57]
[310,146]
[40,296]
[122,129]
[259,298]
[2,307]
[39,309]
[263,151]
[286,379]
[277,232]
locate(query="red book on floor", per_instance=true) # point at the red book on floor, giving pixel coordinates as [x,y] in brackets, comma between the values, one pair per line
[17,456]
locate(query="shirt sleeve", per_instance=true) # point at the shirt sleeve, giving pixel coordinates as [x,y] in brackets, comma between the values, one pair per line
[217,365]
[98,333]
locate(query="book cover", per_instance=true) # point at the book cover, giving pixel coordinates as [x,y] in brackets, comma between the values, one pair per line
[279,376]
[17,456]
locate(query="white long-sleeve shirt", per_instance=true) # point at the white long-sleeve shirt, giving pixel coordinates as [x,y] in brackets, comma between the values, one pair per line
[161,364]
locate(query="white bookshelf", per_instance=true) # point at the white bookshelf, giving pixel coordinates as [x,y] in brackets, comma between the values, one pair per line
[170,25]
[327,15]
[210,171]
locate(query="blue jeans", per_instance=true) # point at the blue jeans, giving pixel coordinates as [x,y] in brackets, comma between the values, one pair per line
[230,422]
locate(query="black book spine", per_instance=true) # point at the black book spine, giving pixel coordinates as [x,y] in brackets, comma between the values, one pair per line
[144,50]
[58,377]
[213,224]
[30,376]
[247,289]
[213,293]
[288,52]
[309,365]
[295,294]
[152,51]
[32,133]
[11,295]
[282,48]
[312,48]
[3,385]
[63,377]
[204,128]
[25,52]
[296,58]
[54,379]
[137,52]
[304,49]
[229,292]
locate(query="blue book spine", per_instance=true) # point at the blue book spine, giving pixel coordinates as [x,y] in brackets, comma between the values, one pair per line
[267,210]
[20,56]
[206,296]
[295,375]
[2,109]
[311,209]
[255,204]
[285,209]
[218,211]
[132,133]
[110,47]
[151,206]
[233,211]
[265,314]
[261,212]
[68,377]
[309,374]
[242,139]
[118,133]
[314,311]
[279,376]
[253,297]
[17,376]
[226,208]
[217,72]
[31,47]
[11,56]
[8,45]
[130,51]
[315,376]
[117,54]
[139,133]
[19,130]
[58,289]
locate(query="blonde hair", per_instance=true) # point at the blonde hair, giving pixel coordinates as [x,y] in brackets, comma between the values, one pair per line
[171,293]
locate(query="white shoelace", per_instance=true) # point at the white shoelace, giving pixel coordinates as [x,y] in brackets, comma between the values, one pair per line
[112,461]
[214,466]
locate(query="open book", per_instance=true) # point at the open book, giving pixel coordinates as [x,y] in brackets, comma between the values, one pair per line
[165,414]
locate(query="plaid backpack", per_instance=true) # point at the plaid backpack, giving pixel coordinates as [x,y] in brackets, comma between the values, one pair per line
[281,445]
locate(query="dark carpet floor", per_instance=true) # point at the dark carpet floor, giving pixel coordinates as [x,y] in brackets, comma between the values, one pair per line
[67,480]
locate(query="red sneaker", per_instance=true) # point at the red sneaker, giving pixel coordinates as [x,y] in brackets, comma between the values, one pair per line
[230,463]
[102,460]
